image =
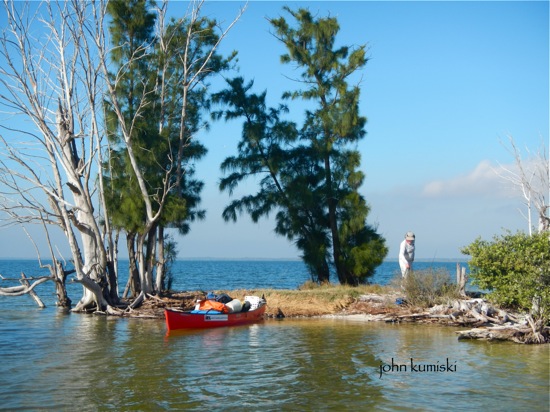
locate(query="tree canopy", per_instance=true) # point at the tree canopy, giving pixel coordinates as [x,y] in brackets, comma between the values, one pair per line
[126,112]
[160,84]
[117,127]
[311,173]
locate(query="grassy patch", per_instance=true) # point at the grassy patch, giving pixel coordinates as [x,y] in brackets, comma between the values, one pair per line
[311,299]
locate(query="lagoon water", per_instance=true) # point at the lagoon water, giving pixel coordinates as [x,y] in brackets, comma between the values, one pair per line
[52,360]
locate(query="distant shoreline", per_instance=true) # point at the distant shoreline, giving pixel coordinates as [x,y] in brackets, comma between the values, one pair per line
[258,259]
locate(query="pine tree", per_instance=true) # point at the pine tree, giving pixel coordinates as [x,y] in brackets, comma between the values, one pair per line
[161,80]
[132,33]
[265,151]
[292,184]
[331,127]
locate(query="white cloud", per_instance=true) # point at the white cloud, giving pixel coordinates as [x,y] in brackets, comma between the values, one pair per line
[442,224]
[485,179]
[448,214]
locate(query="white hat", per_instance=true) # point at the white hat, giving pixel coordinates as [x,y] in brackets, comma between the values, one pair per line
[409,236]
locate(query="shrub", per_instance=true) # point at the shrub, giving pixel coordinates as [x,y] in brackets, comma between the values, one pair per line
[426,288]
[515,268]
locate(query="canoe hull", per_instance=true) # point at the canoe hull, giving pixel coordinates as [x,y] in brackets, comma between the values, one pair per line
[176,319]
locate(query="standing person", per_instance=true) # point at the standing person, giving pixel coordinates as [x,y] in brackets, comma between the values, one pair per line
[406,254]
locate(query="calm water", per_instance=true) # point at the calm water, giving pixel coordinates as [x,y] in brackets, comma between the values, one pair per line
[51,360]
[224,274]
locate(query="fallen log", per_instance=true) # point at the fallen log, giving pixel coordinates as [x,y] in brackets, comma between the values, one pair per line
[488,333]
[413,317]
[478,309]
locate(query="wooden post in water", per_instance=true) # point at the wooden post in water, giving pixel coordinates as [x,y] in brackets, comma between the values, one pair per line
[461,279]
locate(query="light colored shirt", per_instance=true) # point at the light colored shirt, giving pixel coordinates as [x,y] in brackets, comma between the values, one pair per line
[406,253]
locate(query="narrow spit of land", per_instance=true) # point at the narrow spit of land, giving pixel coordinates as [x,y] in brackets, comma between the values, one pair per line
[368,303]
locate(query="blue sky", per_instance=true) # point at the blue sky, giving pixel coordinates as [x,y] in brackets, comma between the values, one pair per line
[445,84]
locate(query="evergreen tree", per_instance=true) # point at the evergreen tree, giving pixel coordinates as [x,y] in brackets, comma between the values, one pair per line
[310,176]
[132,33]
[330,128]
[264,151]
[161,87]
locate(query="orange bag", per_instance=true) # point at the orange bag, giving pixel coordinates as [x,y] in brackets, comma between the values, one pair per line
[209,304]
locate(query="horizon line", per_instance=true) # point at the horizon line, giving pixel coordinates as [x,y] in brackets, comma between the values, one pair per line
[198,258]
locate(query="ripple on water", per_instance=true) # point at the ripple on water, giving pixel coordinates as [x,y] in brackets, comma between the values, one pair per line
[104,364]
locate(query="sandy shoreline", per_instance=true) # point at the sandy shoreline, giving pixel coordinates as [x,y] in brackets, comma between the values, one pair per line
[487,322]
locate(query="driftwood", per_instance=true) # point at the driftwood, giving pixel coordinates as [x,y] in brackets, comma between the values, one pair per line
[33,294]
[137,302]
[412,317]
[57,275]
[488,322]
[492,323]
[25,288]
[515,333]
[481,311]
[492,333]
[471,311]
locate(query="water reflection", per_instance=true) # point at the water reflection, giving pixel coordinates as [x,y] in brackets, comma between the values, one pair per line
[95,363]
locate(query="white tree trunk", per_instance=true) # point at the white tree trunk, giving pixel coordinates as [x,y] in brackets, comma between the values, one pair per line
[532,178]
[54,83]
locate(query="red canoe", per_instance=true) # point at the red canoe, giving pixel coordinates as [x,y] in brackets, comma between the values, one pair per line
[178,319]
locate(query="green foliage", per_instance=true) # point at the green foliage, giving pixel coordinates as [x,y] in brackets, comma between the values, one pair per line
[170,255]
[161,97]
[307,176]
[426,288]
[162,125]
[363,249]
[132,32]
[132,23]
[329,129]
[515,268]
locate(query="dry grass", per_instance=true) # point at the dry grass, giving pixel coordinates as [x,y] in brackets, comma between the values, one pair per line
[427,288]
[311,300]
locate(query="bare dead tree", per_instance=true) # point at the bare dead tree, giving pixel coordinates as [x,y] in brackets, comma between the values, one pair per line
[52,90]
[53,82]
[172,174]
[531,176]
